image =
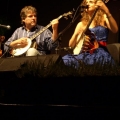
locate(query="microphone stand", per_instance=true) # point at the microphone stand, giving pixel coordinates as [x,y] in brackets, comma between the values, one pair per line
[63,31]
[59,39]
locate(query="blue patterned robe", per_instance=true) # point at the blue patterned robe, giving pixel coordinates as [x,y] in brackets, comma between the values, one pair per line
[100,55]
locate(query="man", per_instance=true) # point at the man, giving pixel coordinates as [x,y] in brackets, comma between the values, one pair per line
[32,39]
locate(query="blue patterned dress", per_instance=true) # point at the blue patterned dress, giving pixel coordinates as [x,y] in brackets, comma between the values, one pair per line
[100,55]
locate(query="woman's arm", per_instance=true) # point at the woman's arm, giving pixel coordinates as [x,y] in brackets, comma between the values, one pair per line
[109,20]
[78,31]
[111,23]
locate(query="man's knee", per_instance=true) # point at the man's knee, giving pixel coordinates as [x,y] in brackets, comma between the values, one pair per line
[32,52]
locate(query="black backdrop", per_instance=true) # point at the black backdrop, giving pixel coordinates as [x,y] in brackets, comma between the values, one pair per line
[47,11]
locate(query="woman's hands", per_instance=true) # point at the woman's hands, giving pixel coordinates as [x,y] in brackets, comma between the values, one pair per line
[102,6]
[89,44]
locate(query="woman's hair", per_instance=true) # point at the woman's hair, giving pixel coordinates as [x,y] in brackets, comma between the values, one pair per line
[25,11]
[97,18]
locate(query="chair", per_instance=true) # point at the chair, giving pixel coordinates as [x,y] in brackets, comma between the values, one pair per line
[114,50]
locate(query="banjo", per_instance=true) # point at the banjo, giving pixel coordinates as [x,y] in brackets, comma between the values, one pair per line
[80,39]
[20,51]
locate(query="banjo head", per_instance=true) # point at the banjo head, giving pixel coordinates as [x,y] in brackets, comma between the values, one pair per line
[20,51]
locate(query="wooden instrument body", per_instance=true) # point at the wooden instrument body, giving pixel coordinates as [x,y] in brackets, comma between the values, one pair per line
[81,47]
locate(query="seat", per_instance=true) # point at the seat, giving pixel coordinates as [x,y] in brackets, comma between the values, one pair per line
[114,50]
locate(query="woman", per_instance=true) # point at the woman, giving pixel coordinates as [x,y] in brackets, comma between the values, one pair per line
[89,38]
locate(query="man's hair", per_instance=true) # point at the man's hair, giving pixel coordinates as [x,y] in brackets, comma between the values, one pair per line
[25,11]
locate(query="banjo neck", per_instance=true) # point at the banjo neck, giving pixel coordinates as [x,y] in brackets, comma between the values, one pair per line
[43,29]
[39,32]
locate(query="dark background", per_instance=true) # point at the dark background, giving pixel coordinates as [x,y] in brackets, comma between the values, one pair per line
[49,10]
[96,97]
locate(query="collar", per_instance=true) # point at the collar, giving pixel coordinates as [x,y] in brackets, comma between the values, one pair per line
[33,29]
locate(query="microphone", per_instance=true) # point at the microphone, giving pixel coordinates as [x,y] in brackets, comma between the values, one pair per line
[84,6]
[5,26]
